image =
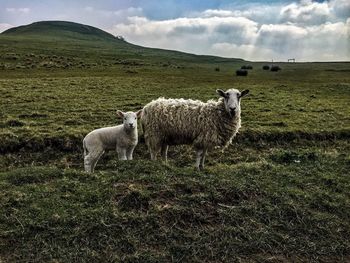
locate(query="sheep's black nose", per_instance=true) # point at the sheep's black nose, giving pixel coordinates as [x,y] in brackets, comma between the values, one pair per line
[130,124]
[233,110]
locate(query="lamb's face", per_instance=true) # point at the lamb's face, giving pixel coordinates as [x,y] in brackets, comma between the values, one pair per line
[129,119]
[232,99]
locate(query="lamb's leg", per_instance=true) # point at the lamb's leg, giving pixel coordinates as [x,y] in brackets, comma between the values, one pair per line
[201,165]
[199,154]
[96,157]
[121,153]
[129,152]
[91,160]
[164,152]
[87,164]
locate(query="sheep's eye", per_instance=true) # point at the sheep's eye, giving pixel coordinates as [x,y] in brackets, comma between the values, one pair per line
[125,119]
[135,118]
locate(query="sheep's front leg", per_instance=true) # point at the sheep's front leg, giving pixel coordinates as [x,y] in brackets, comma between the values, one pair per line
[129,152]
[121,153]
[201,165]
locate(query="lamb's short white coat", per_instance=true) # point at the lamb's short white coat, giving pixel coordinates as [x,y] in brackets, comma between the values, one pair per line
[122,138]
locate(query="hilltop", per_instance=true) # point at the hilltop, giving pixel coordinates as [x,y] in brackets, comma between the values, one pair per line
[60,29]
[84,46]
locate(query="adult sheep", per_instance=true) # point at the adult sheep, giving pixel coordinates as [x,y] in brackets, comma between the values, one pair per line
[168,122]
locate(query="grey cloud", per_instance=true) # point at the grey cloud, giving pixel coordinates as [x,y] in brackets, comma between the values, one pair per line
[307,12]
[341,8]
[187,29]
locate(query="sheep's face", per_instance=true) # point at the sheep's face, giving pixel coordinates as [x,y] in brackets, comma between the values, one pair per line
[232,99]
[129,119]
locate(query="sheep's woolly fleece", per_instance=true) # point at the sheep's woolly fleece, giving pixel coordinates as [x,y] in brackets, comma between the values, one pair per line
[180,121]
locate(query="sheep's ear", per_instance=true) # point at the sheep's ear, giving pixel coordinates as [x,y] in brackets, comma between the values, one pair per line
[221,93]
[120,113]
[244,92]
[138,113]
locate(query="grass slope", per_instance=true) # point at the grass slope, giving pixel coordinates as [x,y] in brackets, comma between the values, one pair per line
[67,45]
[60,29]
[279,193]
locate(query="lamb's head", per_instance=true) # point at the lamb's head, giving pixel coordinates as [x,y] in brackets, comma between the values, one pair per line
[129,119]
[232,99]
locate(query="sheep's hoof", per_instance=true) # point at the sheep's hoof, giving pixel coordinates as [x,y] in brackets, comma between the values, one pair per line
[198,169]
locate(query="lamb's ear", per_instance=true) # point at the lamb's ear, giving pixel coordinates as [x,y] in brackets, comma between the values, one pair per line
[221,93]
[244,92]
[138,113]
[120,113]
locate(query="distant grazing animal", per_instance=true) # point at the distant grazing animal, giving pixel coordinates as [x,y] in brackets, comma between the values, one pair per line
[122,138]
[247,67]
[275,68]
[168,122]
[266,67]
[241,72]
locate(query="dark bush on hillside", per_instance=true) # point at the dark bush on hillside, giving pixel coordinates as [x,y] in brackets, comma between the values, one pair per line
[266,67]
[241,72]
[275,68]
[217,69]
[14,123]
[11,56]
[247,67]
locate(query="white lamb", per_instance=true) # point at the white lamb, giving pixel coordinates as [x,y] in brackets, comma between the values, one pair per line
[204,125]
[122,138]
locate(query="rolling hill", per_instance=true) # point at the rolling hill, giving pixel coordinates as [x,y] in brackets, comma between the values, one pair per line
[86,45]
[60,29]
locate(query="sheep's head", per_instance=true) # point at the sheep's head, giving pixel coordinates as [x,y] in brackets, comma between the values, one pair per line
[129,119]
[232,99]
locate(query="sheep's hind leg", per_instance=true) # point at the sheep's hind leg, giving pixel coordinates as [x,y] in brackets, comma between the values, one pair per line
[154,150]
[201,165]
[164,152]
[199,154]
[96,157]
[87,163]
[91,160]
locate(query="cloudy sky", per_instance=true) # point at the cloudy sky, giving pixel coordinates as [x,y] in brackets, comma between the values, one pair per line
[256,30]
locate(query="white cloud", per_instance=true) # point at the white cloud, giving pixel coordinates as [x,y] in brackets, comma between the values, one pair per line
[4,26]
[341,8]
[306,12]
[247,51]
[23,10]
[189,34]
[216,32]
[303,29]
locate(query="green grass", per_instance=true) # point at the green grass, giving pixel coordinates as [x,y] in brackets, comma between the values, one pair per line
[279,193]
[141,211]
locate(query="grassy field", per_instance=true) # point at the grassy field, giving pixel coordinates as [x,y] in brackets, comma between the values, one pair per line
[279,193]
